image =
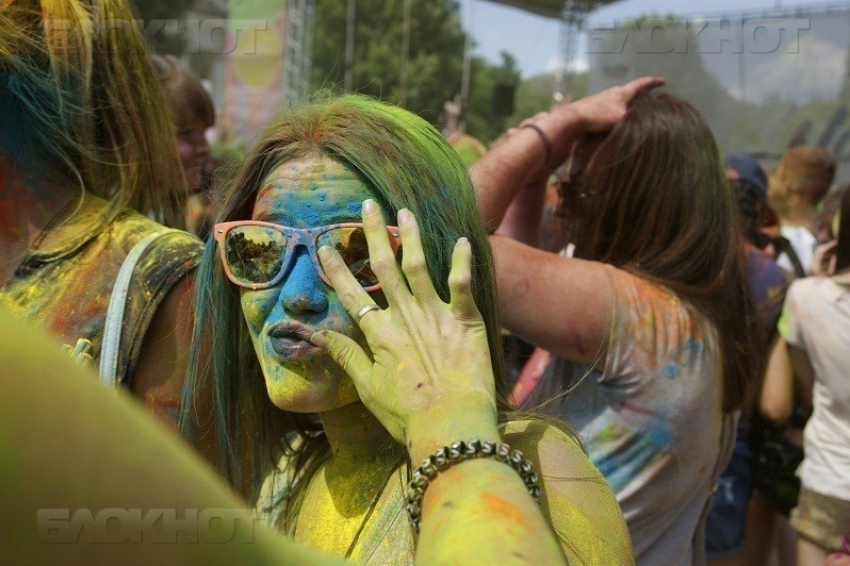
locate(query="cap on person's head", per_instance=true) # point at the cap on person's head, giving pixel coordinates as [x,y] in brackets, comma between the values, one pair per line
[806,170]
[748,170]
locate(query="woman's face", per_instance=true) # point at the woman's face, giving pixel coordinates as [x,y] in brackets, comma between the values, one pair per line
[303,193]
[194,151]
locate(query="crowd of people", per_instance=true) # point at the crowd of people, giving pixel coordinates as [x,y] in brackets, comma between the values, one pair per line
[322,336]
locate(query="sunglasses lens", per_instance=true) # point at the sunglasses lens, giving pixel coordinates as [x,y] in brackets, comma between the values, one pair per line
[351,245]
[254,253]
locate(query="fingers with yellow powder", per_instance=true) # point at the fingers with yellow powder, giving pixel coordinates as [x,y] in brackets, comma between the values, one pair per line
[429,361]
[460,281]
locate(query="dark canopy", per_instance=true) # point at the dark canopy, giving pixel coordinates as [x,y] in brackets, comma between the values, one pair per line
[551,8]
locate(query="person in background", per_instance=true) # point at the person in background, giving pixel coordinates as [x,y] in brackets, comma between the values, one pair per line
[801,180]
[825,224]
[731,537]
[192,113]
[469,149]
[815,325]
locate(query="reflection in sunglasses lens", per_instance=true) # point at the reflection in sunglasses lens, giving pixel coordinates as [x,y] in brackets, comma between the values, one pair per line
[351,245]
[254,253]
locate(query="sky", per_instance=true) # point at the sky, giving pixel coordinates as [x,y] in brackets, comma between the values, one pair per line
[534,41]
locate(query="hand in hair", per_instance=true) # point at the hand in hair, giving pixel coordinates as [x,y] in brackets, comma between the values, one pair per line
[429,379]
[593,114]
[600,112]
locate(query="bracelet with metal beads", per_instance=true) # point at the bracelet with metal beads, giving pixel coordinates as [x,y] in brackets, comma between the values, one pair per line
[448,456]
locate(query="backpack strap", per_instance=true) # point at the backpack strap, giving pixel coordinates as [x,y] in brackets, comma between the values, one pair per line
[111,347]
[786,248]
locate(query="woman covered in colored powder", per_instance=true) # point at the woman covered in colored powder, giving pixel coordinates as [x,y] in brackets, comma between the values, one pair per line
[284,332]
[654,298]
[87,155]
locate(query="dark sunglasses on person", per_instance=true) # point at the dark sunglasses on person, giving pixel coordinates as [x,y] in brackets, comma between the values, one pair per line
[762,241]
[257,255]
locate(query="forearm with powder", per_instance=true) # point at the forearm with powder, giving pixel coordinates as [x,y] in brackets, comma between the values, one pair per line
[523,219]
[467,503]
[521,159]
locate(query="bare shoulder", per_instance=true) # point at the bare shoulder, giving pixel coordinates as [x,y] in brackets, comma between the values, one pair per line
[576,500]
[164,355]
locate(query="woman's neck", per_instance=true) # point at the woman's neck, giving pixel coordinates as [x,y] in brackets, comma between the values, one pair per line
[798,212]
[28,202]
[28,207]
[357,437]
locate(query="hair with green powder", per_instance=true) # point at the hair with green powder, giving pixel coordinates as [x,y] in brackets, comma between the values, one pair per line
[79,103]
[407,164]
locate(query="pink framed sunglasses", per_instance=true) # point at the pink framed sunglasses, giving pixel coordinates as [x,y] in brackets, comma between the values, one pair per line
[257,255]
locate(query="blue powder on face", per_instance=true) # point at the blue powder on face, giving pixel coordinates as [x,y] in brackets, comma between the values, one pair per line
[354,208]
[303,279]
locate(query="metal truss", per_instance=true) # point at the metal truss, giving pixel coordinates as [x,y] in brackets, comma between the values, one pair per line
[298,55]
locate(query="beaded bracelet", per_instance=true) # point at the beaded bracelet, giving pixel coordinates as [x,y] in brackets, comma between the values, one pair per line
[448,456]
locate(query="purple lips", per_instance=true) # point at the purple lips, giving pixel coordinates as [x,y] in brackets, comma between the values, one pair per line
[291,340]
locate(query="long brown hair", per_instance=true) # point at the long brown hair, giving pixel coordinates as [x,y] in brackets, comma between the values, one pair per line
[842,251]
[656,203]
[187,99]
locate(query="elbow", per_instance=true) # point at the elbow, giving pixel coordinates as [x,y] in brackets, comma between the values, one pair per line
[775,411]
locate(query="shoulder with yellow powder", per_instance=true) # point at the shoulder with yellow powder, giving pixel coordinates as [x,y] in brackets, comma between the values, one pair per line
[575,498]
[166,259]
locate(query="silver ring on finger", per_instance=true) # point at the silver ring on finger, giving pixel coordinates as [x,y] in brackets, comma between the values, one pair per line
[364,311]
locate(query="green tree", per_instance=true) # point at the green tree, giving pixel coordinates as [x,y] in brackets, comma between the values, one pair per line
[435,61]
[535,95]
[482,120]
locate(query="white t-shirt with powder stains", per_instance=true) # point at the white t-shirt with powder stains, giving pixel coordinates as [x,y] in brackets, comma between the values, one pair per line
[816,317]
[652,421]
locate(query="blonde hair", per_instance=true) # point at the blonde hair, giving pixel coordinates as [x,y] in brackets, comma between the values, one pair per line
[79,101]
[806,171]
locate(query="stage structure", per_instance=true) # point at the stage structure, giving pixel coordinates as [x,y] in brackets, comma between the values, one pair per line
[764,80]
[299,48]
[266,60]
[573,14]
[268,53]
